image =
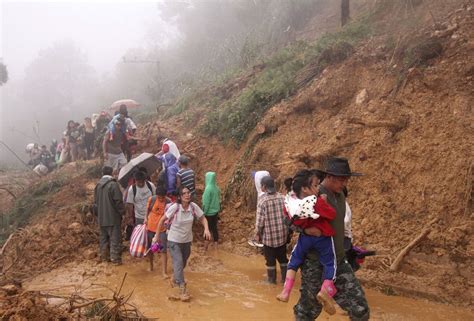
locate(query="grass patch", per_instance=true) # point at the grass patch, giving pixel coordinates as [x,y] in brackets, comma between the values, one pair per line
[94,171]
[235,118]
[144,115]
[27,205]
[182,105]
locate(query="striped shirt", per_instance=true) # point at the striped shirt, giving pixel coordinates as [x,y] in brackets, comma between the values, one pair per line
[186,175]
[271,220]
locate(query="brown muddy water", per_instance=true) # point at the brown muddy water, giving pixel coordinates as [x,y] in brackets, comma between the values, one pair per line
[223,287]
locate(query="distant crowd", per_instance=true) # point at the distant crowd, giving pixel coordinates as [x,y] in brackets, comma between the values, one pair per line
[85,141]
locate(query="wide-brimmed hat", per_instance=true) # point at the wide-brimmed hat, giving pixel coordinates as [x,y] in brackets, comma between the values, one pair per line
[269,184]
[338,166]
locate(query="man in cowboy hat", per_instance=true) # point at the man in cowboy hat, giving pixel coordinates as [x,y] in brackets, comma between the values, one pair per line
[350,296]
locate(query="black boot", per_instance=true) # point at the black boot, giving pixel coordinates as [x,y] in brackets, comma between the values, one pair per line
[271,272]
[283,268]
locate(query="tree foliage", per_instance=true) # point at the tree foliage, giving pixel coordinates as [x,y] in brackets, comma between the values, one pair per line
[3,74]
[59,82]
[215,36]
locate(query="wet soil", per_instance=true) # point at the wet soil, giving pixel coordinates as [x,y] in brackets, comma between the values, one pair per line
[223,287]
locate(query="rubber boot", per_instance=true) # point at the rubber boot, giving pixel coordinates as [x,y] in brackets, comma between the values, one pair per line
[183,294]
[283,268]
[271,273]
[284,296]
[328,290]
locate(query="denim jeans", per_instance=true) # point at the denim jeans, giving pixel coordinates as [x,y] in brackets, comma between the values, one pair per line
[180,253]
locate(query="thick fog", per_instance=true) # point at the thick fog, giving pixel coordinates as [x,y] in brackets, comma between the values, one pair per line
[69,59]
[57,54]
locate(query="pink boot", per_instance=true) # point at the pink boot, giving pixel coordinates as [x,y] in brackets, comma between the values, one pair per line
[328,290]
[285,293]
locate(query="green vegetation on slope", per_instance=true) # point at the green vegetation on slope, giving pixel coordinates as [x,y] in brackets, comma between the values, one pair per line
[231,119]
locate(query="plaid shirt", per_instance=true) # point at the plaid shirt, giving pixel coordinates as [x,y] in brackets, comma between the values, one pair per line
[271,220]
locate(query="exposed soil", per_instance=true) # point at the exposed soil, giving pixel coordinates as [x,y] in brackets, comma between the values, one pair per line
[405,121]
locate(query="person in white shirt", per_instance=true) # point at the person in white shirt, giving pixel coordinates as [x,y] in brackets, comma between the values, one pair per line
[137,197]
[180,217]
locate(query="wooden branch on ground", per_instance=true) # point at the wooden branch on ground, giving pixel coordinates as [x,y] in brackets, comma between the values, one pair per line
[8,191]
[83,305]
[468,196]
[395,267]
[187,151]
[392,126]
[6,243]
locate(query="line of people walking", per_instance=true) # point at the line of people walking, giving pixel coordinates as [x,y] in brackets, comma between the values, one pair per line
[167,209]
[314,206]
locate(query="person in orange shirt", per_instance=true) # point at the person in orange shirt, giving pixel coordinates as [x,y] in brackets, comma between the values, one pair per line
[156,207]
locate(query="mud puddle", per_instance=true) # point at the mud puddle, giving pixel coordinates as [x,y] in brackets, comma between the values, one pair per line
[223,287]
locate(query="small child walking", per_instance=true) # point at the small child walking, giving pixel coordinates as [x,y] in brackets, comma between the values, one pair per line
[305,210]
[156,208]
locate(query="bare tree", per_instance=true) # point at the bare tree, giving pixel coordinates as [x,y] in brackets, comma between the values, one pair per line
[345,12]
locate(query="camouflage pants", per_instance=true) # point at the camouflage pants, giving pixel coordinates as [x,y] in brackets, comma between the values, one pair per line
[350,295]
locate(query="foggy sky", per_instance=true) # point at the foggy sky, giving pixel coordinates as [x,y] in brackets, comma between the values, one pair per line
[104,30]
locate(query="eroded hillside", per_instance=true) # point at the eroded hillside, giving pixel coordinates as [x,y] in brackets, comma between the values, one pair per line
[395,98]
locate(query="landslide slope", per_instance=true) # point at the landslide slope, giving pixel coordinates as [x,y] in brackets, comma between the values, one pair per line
[398,104]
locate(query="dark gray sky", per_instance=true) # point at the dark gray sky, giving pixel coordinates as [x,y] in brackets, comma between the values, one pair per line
[103,29]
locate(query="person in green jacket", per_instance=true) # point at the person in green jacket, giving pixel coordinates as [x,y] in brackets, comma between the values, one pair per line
[211,205]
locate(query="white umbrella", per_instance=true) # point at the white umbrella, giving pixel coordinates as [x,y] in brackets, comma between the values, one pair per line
[130,103]
[146,160]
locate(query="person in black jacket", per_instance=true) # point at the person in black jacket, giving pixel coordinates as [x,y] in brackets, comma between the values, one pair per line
[110,210]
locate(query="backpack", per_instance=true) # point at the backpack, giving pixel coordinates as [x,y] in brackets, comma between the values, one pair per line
[153,201]
[134,189]
[169,221]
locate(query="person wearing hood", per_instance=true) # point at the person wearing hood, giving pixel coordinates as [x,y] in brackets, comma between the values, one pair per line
[211,205]
[108,200]
[258,179]
[170,147]
[168,175]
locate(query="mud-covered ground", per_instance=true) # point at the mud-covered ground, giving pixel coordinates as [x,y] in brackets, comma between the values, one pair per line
[222,286]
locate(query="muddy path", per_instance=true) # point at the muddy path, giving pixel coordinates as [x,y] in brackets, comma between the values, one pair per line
[223,287]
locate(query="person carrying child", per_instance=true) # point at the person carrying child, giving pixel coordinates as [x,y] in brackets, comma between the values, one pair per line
[305,209]
[156,207]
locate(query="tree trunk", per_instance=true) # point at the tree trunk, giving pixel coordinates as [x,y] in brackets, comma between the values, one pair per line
[345,12]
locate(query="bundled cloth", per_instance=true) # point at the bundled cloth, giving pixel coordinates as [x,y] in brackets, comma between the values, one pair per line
[138,241]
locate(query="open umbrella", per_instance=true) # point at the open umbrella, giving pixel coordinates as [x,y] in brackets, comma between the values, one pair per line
[146,160]
[130,103]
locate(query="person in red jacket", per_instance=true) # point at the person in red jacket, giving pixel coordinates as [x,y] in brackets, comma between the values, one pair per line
[305,210]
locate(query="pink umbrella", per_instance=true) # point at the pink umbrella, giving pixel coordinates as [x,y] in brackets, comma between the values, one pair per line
[130,103]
